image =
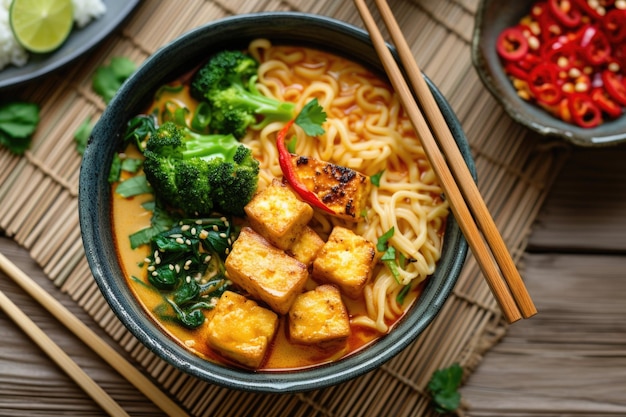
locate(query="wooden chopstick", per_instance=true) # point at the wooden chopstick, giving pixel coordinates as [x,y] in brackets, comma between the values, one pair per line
[511,294]
[57,354]
[459,168]
[91,339]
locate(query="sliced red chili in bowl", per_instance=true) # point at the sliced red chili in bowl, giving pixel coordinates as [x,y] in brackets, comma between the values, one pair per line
[584,111]
[565,12]
[614,24]
[544,84]
[606,103]
[614,86]
[594,44]
[511,44]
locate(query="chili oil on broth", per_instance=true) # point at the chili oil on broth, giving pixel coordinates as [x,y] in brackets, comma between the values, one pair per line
[366,130]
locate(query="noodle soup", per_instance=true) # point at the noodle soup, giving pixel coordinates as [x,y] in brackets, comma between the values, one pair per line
[367,131]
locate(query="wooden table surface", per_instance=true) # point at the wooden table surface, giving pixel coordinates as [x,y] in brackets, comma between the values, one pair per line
[569,360]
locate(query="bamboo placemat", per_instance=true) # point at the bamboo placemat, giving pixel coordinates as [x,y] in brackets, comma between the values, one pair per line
[515,171]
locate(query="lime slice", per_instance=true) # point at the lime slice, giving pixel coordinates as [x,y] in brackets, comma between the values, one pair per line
[41,25]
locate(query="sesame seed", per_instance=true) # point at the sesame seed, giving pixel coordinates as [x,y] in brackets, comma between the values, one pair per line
[203,234]
[177,268]
[193,231]
[227,251]
[188,242]
[223,235]
[215,228]
[207,259]
[188,279]
[180,240]
[198,221]
[151,268]
[157,261]
[155,273]
[185,227]
[171,267]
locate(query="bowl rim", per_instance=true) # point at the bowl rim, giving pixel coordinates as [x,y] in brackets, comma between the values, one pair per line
[94,195]
[490,71]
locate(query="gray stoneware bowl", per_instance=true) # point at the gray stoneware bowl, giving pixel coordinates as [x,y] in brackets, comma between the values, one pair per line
[491,18]
[95,195]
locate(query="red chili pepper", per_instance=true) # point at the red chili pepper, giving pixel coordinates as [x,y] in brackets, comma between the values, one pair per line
[614,86]
[284,159]
[595,45]
[614,24]
[511,44]
[565,12]
[543,83]
[564,53]
[587,9]
[584,111]
[605,102]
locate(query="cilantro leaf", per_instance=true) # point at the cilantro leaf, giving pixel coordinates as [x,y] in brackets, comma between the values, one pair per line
[133,186]
[18,121]
[82,134]
[311,117]
[444,385]
[375,179]
[108,78]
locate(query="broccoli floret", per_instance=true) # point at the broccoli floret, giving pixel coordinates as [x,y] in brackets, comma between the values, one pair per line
[228,83]
[200,174]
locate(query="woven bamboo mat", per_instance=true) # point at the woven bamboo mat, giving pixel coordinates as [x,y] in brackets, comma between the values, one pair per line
[515,170]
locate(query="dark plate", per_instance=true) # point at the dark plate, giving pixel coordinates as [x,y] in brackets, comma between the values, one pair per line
[492,17]
[79,42]
[175,59]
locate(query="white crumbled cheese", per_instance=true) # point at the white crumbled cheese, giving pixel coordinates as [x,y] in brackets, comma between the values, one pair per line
[12,53]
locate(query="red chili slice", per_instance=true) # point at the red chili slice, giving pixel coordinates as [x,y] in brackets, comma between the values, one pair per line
[543,83]
[614,86]
[606,103]
[565,12]
[614,24]
[587,9]
[584,111]
[564,53]
[511,44]
[594,45]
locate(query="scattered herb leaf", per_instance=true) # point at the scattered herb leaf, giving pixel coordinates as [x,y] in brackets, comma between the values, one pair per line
[375,179]
[311,117]
[18,121]
[133,186]
[81,136]
[108,78]
[444,385]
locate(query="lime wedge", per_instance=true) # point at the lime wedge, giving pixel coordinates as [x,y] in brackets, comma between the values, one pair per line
[41,25]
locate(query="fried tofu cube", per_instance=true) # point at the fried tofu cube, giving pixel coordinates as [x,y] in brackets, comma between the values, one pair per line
[264,271]
[346,260]
[241,330]
[319,317]
[342,189]
[278,214]
[306,247]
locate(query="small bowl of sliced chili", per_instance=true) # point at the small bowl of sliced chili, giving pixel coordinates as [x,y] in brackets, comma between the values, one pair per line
[556,66]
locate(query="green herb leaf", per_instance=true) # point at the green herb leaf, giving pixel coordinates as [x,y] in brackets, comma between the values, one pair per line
[444,385]
[18,121]
[311,117]
[116,169]
[82,134]
[382,243]
[131,164]
[375,179]
[134,186]
[108,78]
[291,145]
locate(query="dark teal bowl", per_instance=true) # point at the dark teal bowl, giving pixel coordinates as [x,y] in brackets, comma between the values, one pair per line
[95,199]
[492,17]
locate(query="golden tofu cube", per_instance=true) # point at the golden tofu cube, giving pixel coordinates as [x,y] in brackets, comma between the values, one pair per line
[241,330]
[306,247]
[346,260]
[264,271]
[342,189]
[319,317]
[278,214]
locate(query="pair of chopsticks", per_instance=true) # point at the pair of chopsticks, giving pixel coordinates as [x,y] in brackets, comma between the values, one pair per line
[459,187]
[89,337]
